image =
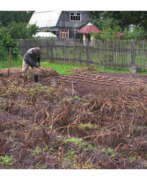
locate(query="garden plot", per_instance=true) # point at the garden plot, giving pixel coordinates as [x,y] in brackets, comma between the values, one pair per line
[85,120]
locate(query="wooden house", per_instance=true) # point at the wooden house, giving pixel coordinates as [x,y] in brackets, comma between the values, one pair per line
[64,24]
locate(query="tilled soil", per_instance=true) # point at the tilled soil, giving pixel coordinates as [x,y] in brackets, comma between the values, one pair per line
[86,120]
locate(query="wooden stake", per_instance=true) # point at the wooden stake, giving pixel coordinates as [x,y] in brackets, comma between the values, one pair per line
[9,59]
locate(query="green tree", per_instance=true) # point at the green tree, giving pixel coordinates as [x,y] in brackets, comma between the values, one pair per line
[109,29]
[7,17]
[21,30]
[97,18]
[138,33]
[125,18]
[122,18]
[6,41]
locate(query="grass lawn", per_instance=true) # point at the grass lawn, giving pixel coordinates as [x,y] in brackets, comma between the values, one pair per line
[61,68]
[65,68]
[13,63]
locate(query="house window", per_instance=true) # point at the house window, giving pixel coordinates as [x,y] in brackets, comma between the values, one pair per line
[64,34]
[75,16]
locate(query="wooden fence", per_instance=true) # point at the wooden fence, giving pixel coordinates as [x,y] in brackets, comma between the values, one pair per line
[112,53]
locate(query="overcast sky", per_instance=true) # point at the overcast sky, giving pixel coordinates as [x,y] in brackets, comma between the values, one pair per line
[73,5]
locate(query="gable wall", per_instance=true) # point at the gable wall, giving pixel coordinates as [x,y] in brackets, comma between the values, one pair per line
[64,20]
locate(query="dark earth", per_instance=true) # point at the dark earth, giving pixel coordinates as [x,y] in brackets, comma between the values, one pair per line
[85,120]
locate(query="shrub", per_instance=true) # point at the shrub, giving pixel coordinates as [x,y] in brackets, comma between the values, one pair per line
[109,30]
[3,52]
[6,41]
[22,30]
[138,33]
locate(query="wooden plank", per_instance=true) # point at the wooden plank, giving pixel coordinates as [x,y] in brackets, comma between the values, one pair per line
[132,53]
[9,60]
[114,53]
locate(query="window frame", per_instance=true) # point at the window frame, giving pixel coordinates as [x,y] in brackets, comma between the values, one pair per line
[75,16]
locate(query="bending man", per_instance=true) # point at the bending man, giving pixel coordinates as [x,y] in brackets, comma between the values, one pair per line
[31,58]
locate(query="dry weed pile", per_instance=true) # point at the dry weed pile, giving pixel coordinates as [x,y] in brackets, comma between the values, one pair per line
[64,125]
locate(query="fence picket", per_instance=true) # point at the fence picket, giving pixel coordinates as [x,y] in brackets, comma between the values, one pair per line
[114,53]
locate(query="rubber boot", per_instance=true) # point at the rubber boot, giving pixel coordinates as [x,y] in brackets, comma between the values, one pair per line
[35,78]
[25,78]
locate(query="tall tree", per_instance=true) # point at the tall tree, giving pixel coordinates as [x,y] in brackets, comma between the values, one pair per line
[121,18]
[21,30]
[97,17]
[125,18]
[6,17]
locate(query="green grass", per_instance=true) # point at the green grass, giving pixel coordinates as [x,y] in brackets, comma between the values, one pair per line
[61,68]
[6,160]
[74,140]
[65,68]
[13,63]
[37,150]
[87,125]
[110,69]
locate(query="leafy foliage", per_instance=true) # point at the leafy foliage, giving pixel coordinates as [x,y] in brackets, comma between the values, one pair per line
[137,34]
[109,30]
[111,22]
[6,160]
[21,30]
[12,32]
[13,25]
[6,41]
[7,17]
[122,18]
[73,140]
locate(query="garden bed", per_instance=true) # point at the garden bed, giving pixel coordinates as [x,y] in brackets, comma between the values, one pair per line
[86,120]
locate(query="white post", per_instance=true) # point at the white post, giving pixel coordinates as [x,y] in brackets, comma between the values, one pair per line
[84,39]
[92,41]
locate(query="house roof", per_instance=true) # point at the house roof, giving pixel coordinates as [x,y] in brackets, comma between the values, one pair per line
[45,18]
[45,34]
[88,29]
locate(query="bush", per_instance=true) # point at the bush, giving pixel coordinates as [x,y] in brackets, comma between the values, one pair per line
[22,30]
[10,33]
[3,52]
[138,33]
[6,41]
[109,30]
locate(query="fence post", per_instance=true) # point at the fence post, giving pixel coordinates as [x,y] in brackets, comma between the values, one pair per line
[64,50]
[132,53]
[87,53]
[51,50]
[9,59]
[133,67]
[80,49]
